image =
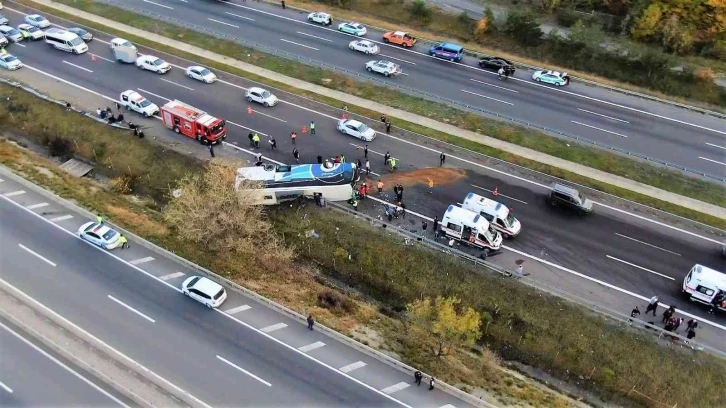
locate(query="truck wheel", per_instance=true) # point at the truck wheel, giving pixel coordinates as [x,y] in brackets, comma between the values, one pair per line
[146,115]
[176,129]
[386,40]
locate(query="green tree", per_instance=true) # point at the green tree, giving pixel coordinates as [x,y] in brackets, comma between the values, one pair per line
[522,25]
[419,10]
[442,323]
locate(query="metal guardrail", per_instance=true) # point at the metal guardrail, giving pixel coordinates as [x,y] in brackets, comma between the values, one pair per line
[309,61]
[481,265]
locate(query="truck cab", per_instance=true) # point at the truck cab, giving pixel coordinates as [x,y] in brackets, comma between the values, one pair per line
[399,38]
[134,101]
[471,228]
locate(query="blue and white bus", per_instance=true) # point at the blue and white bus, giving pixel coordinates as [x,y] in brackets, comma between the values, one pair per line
[287,182]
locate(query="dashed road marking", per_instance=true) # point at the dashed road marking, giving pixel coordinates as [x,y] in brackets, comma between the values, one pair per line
[62,218]
[298,44]
[499,194]
[311,347]
[78,66]
[157,4]
[141,260]
[237,309]
[639,267]
[172,276]
[30,251]
[14,193]
[395,387]
[39,205]
[131,309]
[244,371]
[222,22]
[6,388]
[353,366]
[273,327]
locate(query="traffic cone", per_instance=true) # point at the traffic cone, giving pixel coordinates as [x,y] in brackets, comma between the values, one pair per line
[93,57]
[345,116]
[495,192]
[249,110]
[305,129]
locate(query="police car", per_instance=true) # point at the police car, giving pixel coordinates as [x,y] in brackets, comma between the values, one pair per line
[551,77]
[100,235]
[134,101]
[31,32]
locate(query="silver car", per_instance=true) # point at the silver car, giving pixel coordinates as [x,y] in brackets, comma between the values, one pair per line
[85,35]
[13,34]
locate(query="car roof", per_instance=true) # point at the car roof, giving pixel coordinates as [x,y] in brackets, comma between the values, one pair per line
[257,89]
[35,16]
[565,189]
[399,33]
[364,42]
[96,228]
[353,122]
[207,286]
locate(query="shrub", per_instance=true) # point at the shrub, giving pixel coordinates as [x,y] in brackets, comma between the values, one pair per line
[419,10]
[60,147]
[522,25]
[566,17]
[336,302]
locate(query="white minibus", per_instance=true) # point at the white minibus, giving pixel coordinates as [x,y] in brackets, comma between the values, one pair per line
[65,41]
[471,228]
[499,215]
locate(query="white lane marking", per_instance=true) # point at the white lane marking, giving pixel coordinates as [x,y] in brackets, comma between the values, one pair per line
[301,45]
[157,4]
[273,327]
[600,129]
[498,194]
[131,309]
[222,22]
[141,260]
[172,276]
[720,147]
[65,81]
[6,388]
[244,371]
[645,243]
[89,335]
[237,309]
[62,218]
[712,160]
[19,45]
[174,83]
[60,363]
[14,193]
[269,116]
[34,206]
[353,366]
[640,267]
[153,94]
[487,97]
[395,387]
[447,406]
[245,127]
[238,16]
[311,346]
[1,180]
[77,66]
[314,36]
[397,59]
[103,58]
[37,255]
[495,86]
[604,116]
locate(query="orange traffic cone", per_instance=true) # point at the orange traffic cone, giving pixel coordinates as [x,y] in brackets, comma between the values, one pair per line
[345,116]
[495,192]
[249,110]
[93,57]
[305,129]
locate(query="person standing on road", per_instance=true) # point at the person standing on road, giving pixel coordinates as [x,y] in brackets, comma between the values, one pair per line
[99,219]
[258,159]
[403,208]
[211,149]
[633,314]
[424,225]
[359,164]
[124,242]
[368,167]
[256,140]
[652,305]
[436,226]
[431,383]
[418,376]
[691,324]
[668,314]
[442,159]
[296,155]
[383,118]
[380,187]
[365,152]
[342,158]
[251,136]
[293,136]
[386,157]
[312,127]
[273,143]
[320,159]
[311,322]
[678,324]
[388,128]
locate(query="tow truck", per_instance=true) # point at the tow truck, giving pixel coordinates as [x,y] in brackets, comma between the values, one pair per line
[192,122]
[399,38]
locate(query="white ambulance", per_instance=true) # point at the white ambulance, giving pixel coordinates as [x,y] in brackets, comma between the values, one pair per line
[703,284]
[470,227]
[498,214]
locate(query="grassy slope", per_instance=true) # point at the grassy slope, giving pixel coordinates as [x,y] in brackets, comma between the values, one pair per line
[662,178]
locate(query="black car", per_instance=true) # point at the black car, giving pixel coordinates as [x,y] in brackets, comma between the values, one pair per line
[496,62]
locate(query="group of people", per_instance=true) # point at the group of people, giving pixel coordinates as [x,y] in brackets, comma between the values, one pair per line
[671,322]
[107,114]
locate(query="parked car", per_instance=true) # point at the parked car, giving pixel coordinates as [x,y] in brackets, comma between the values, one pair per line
[569,198]
[399,38]
[353,28]
[13,34]
[100,235]
[37,20]
[356,129]
[31,32]
[386,68]
[201,74]
[262,96]
[10,62]
[4,20]
[320,18]
[204,291]
[364,46]
[153,64]
[551,77]
[85,35]
[136,102]
[496,63]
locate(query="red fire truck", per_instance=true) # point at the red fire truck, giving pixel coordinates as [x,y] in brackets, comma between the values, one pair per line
[192,122]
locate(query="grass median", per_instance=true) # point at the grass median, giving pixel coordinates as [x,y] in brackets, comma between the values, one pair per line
[521,323]
[659,177]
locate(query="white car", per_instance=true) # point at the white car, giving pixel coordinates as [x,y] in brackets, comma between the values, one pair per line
[153,64]
[100,235]
[262,96]
[320,18]
[134,101]
[3,40]
[10,62]
[201,74]
[356,129]
[32,32]
[4,20]
[353,28]
[364,46]
[37,20]
[386,68]
[13,34]
[204,290]
[120,42]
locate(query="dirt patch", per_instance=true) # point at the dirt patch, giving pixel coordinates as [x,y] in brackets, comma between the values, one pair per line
[45,172]
[435,175]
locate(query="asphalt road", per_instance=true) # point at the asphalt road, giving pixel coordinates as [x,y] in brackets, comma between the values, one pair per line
[33,376]
[167,332]
[616,248]
[677,136]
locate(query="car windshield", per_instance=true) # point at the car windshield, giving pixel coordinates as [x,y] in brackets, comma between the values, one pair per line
[32,29]
[125,44]
[266,94]
[362,127]
[37,18]
[9,58]
[76,41]
[509,220]
[80,31]
[205,72]
[158,61]
[109,235]
[581,197]
[217,128]
[144,103]
[13,31]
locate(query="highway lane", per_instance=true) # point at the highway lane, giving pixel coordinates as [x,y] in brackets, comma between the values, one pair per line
[33,376]
[580,244]
[170,334]
[579,110]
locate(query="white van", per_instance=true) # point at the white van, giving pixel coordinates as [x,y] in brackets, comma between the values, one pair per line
[498,214]
[65,41]
[703,284]
[470,227]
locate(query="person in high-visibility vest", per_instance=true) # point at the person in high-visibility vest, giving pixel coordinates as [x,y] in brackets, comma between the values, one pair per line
[256,139]
[99,219]
[312,128]
[393,164]
[342,158]
[124,242]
